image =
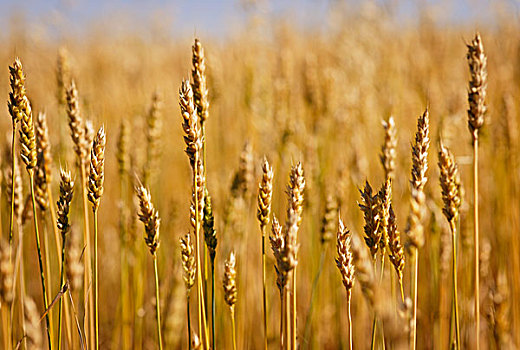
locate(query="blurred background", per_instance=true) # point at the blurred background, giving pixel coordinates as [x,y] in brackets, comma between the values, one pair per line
[306,81]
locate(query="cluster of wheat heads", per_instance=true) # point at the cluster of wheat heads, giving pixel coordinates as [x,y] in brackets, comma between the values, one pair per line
[243,280]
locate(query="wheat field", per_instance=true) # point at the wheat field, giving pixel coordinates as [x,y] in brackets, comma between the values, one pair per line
[356,187]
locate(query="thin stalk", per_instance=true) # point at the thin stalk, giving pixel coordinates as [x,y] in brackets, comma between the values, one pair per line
[476,238]
[188,317]
[234,328]
[40,261]
[125,334]
[308,321]
[264,295]
[374,329]
[213,304]
[349,296]
[19,271]
[62,278]
[13,160]
[206,252]
[455,301]
[87,295]
[6,328]
[45,248]
[57,240]
[402,289]
[282,313]
[287,316]
[201,307]
[157,302]
[140,275]
[374,320]
[294,309]
[414,321]
[96,285]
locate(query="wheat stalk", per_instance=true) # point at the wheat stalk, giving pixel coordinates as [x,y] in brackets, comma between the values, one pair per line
[123,163]
[414,227]
[345,264]
[193,140]
[188,266]
[77,132]
[477,62]
[63,205]
[294,218]
[328,226]
[6,291]
[450,187]
[265,195]
[210,237]
[28,155]
[95,191]
[277,240]
[149,216]
[230,291]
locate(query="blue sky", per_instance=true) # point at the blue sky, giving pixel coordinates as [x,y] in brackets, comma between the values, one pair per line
[208,17]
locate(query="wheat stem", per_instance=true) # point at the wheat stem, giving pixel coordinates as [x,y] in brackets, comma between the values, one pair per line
[40,261]
[476,239]
[96,288]
[264,290]
[233,326]
[308,321]
[13,160]
[349,297]
[87,261]
[288,338]
[294,309]
[414,316]
[189,322]
[213,303]
[62,279]
[455,298]
[157,302]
